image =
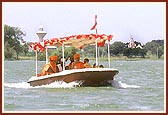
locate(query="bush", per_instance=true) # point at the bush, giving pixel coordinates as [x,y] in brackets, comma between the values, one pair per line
[41,56]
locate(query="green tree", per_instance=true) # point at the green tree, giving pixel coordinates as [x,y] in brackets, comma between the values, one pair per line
[90,51]
[41,56]
[127,52]
[155,47]
[134,52]
[138,52]
[12,35]
[9,52]
[117,48]
[25,48]
[68,52]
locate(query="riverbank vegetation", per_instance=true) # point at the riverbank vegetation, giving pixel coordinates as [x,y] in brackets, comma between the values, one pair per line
[15,48]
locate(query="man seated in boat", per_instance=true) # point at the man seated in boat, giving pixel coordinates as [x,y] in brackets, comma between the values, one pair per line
[77,64]
[100,66]
[71,61]
[86,63]
[94,66]
[60,64]
[50,67]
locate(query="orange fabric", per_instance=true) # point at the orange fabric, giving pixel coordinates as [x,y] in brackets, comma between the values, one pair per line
[38,75]
[54,58]
[77,65]
[70,66]
[53,66]
[76,56]
[47,69]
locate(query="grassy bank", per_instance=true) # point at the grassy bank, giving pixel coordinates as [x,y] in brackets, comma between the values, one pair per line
[26,58]
[103,58]
[126,58]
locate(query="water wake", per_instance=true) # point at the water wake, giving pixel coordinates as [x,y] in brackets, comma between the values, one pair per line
[62,84]
[119,84]
[57,84]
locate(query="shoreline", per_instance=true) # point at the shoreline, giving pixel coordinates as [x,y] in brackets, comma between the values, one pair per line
[101,58]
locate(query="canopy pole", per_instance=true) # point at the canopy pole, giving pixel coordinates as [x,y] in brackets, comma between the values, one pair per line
[36,63]
[46,54]
[63,56]
[82,53]
[96,54]
[109,53]
[98,49]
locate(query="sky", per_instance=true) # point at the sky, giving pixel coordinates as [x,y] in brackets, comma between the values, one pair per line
[144,21]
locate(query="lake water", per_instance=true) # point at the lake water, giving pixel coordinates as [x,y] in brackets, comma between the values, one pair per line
[139,87]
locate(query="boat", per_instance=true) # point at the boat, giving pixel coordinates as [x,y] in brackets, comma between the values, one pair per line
[92,77]
[88,77]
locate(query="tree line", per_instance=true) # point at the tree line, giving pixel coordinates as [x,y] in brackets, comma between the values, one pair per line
[153,48]
[14,45]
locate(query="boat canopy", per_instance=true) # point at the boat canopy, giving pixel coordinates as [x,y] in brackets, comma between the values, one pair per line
[77,41]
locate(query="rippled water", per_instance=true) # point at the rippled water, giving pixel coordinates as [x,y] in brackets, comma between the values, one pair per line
[139,86]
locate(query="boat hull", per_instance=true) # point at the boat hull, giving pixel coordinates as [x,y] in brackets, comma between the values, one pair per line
[93,77]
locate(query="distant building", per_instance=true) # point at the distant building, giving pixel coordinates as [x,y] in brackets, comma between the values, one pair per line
[139,46]
[134,44]
[131,43]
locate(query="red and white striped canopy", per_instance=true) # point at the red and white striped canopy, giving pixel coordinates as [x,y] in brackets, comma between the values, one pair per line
[77,41]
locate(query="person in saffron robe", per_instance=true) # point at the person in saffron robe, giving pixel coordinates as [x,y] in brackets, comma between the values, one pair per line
[77,64]
[50,67]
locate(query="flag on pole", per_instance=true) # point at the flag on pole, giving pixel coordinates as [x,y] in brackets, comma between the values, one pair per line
[94,26]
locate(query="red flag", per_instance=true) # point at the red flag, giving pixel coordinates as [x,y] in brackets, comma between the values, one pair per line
[94,26]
